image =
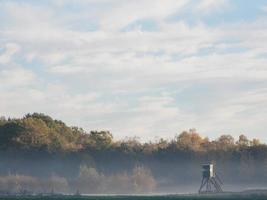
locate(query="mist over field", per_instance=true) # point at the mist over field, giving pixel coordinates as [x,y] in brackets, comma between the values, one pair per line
[41,155]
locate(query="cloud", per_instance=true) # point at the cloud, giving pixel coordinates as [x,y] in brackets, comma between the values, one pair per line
[17,77]
[136,82]
[210,5]
[10,50]
[264,8]
[125,13]
[243,113]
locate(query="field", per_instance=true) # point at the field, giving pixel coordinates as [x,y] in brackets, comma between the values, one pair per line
[137,197]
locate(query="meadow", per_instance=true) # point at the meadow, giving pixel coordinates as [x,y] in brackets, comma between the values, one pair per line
[142,197]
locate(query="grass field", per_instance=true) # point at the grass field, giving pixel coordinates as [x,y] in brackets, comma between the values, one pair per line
[157,197]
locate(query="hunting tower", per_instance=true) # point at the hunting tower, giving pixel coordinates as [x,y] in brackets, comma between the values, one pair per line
[210,183]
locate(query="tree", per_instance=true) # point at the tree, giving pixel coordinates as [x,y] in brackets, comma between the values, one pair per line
[243,141]
[143,181]
[255,142]
[2,120]
[131,144]
[9,132]
[57,184]
[189,140]
[89,180]
[225,142]
[101,139]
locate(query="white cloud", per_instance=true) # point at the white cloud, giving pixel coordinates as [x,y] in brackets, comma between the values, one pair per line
[125,13]
[10,50]
[143,83]
[210,5]
[22,15]
[16,77]
[242,113]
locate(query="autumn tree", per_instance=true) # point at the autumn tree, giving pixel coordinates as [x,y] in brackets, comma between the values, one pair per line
[100,139]
[255,142]
[243,141]
[189,140]
[225,142]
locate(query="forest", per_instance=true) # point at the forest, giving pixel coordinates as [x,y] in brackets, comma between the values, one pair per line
[41,154]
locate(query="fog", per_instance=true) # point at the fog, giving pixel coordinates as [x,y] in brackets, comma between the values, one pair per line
[69,174]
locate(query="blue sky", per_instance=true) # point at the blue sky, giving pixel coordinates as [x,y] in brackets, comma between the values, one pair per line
[146,68]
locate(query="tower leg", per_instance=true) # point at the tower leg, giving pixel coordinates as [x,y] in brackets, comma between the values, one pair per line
[203,184]
[209,185]
[216,185]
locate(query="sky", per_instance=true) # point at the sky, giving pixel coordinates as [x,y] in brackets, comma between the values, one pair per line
[144,68]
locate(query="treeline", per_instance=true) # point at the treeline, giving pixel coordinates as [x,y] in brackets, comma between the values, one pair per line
[37,146]
[39,131]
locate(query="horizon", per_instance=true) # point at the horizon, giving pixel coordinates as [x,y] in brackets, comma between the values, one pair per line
[142,68]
